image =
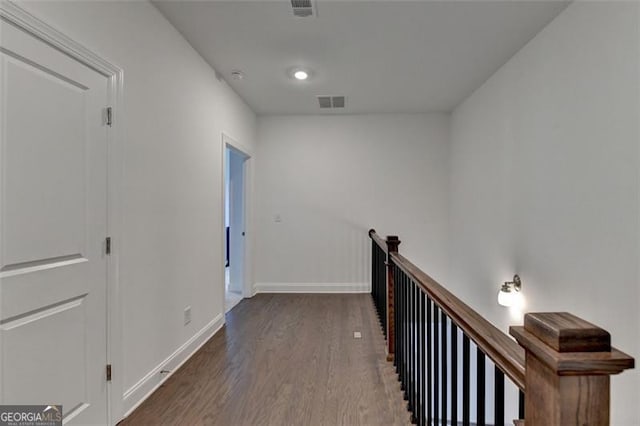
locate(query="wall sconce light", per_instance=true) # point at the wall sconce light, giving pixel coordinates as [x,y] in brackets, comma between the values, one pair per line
[509,294]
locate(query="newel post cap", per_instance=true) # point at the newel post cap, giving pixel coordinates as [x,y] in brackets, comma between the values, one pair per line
[392,243]
[569,345]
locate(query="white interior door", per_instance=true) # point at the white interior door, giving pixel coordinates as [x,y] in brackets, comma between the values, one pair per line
[53,204]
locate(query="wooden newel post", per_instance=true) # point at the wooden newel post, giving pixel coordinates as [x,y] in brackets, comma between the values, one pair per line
[567,367]
[392,246]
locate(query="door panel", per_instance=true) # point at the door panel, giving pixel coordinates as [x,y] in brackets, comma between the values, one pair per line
[64,361]
[53,203]
[42,135]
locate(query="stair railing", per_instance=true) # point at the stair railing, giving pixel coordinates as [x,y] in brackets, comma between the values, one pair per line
[455,367]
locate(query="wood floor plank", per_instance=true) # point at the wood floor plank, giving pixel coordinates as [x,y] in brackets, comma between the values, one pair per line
[285,359]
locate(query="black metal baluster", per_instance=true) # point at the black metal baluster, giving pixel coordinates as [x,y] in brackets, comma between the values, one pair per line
[423,394]
[405,339]
[416,343]
[383,285]
[375,280]
[411,354]
[378,287]
[373,269]
[454,374]
[498,399]
[429,364]
[416,404]
[416,324]
[395,318]
[407,348]
[521,404]
[443,348]
[381,288]
[383,298]
[378,284]
[480,382]
[466,374]
[436,364]
[416,354]
[402,322]
[380,305]
[400,328]
[411,370]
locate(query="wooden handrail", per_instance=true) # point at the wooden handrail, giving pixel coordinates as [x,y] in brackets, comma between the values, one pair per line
[379,241]
[507,355]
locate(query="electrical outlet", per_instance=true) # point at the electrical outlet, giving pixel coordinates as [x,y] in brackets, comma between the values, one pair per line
[187,315]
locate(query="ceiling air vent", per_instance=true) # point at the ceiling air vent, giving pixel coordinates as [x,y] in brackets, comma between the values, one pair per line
[337,101]
[302,8]
[331,101]
[324,101]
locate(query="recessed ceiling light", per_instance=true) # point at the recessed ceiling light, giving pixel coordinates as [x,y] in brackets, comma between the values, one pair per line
[237,75]
[301,75]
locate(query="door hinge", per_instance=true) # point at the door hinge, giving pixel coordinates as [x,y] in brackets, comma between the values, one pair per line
[109,116]
[107,245]
[108,372]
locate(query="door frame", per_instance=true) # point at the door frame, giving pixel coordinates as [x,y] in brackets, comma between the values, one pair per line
[21,18]
[228,142]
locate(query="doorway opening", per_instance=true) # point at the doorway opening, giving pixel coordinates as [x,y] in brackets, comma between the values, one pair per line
[234,219]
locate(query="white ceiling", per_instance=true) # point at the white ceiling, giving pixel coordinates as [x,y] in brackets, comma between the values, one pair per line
[385,56]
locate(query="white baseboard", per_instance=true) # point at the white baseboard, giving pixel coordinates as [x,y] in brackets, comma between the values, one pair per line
[312,288]
[136,394]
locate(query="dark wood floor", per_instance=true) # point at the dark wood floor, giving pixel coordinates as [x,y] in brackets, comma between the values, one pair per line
[285,359]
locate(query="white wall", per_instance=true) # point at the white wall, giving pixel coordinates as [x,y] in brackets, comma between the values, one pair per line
[544,181]
[171,252]
[330,179]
